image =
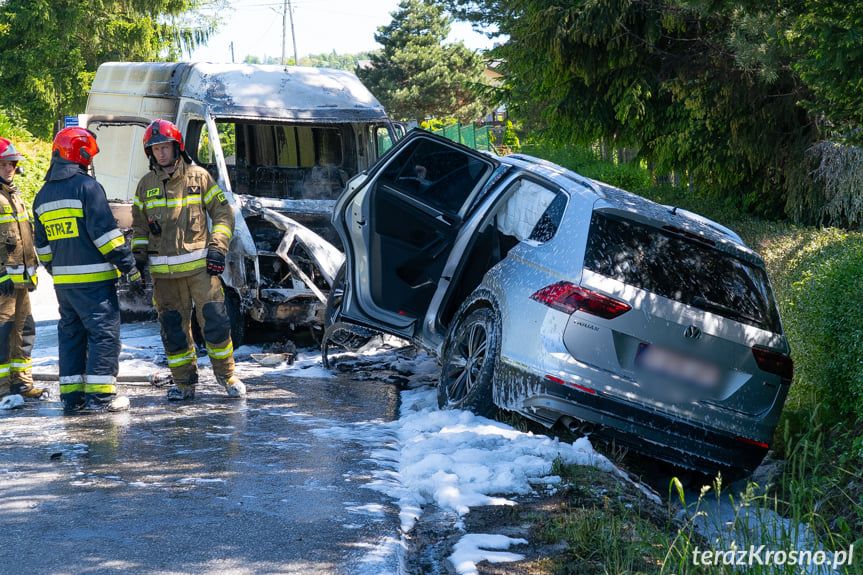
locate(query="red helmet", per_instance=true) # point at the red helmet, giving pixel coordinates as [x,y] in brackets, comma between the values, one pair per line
[159,132]
[8,151]
[76,145]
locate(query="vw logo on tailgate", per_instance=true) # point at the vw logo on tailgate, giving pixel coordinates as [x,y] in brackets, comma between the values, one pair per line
[692,332]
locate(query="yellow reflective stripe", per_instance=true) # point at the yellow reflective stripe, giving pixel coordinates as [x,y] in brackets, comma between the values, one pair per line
[220,353]
[7,219]
[61,213]
[168,268]
[188,200]
[181,358]
[102,388]
[223,229]
[59,205]
[21,364]
[86,278]
[113,244]
[16,273]
[5,277]
[211,193]
[108,238]
[71,387]
[140,242]
[138,202]
[46,257]
[4,369]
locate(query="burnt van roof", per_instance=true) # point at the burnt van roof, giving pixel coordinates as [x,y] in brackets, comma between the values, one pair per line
[247,91]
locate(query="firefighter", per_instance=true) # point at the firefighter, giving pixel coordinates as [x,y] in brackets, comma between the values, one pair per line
[18,265]
[79,243]
[170,232]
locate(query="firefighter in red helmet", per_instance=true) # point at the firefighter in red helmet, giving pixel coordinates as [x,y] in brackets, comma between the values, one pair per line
[78,241]
[186,258]
[18,265]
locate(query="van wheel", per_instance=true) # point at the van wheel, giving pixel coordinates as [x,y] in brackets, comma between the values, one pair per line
[471,349]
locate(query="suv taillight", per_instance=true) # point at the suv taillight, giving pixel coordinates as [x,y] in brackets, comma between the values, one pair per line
[566,297]
[774,362]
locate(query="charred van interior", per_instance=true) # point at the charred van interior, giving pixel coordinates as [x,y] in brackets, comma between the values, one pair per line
[285,161]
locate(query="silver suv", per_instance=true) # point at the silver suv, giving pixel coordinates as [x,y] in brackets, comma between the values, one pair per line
[566,300]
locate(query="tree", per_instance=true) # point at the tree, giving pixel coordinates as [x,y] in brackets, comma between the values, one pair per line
[50,49]
[679,80]
[415,76]
[828,43]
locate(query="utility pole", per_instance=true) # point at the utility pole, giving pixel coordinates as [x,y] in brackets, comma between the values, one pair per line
[232,51]
[284,14]
[293,36]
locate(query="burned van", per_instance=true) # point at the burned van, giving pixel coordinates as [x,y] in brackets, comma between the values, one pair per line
[282,141]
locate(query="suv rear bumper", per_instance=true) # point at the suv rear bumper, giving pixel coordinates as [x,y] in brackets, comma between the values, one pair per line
[649,432]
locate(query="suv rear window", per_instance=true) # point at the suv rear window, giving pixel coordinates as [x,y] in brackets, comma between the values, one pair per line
[685,270]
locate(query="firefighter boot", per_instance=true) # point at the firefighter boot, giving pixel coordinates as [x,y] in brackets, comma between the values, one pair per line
[183,391]
[107,402]
[26,391]
[22,381]
[232,385]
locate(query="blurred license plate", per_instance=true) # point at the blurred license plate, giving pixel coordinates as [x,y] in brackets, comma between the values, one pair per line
[663,362]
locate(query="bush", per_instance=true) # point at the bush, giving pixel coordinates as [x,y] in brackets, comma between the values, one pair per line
[586,161]
[37,155]
[819,293]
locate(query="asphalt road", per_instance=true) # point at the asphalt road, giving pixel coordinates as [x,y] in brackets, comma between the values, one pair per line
[213,486]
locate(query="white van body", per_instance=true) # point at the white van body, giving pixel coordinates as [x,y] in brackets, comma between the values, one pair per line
[282,141]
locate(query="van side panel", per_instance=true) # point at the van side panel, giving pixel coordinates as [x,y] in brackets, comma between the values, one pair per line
[147,90]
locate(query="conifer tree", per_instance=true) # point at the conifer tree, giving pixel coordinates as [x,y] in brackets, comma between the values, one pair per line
[416,76]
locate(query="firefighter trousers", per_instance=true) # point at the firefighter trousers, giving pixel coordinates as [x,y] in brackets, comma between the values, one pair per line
[89,344]
[17,333]
[174,299]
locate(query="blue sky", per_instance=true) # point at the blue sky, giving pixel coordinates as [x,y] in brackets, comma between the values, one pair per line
[346,26]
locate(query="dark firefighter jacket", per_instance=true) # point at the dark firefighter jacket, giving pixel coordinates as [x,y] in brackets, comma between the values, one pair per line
[76,233]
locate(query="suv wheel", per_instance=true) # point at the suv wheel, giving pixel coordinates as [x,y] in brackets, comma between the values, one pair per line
[471,350]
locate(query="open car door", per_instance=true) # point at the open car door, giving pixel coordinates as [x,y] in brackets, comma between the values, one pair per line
[402,226]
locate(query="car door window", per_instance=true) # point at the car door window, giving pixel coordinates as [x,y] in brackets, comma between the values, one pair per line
[436,174]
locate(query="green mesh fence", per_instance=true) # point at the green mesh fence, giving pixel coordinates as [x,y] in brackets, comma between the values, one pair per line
[473,136]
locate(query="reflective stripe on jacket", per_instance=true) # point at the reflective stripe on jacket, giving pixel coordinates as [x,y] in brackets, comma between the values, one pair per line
[76,231]
[169,219]
[16,239]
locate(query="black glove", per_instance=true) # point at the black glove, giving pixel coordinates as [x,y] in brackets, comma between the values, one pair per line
[48,268]
[215,262]
[11,243]
[140,260]
[6,286]
[136,281]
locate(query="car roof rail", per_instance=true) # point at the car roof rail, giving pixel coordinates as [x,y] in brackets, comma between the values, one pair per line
[560,170]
